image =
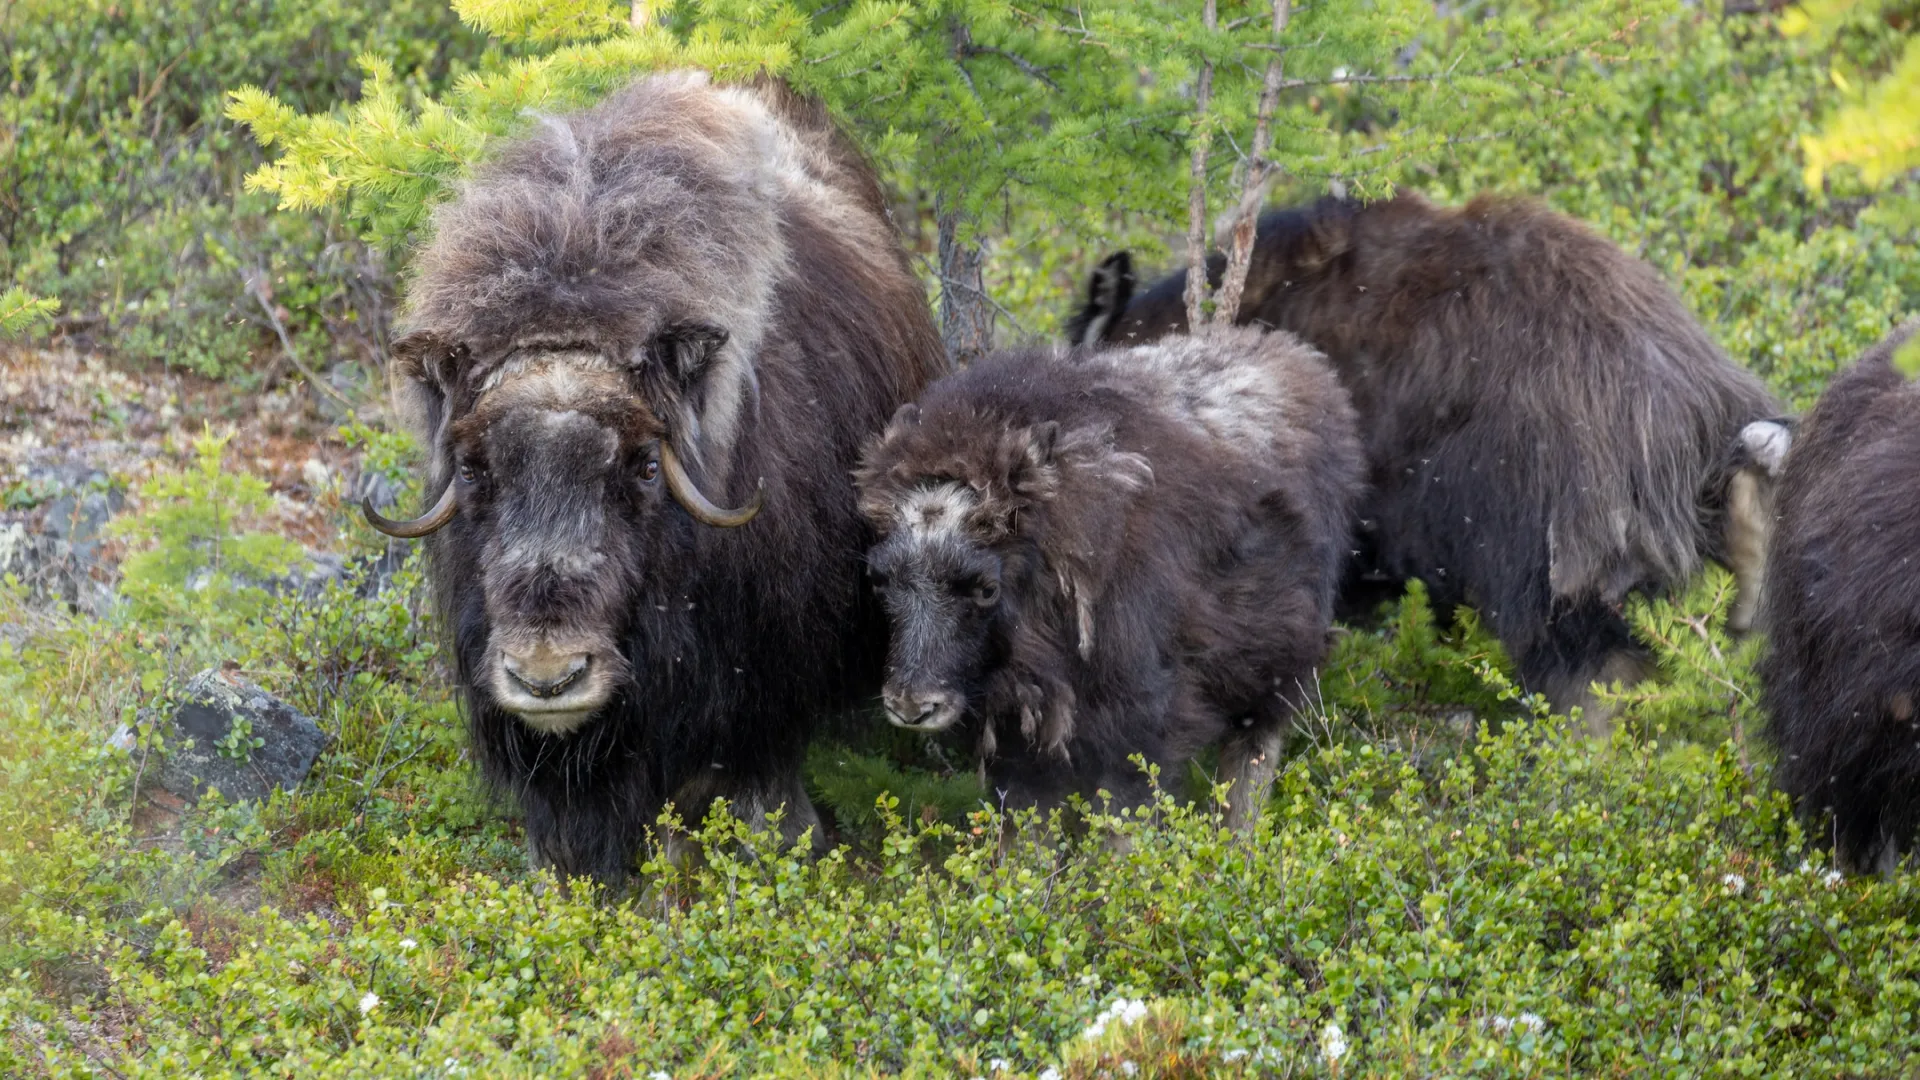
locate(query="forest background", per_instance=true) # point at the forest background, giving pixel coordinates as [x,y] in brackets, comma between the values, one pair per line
[208,209]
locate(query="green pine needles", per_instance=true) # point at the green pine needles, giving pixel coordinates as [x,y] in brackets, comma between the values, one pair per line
[1019,126]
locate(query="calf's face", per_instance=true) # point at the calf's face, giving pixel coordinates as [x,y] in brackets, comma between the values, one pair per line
[951,601]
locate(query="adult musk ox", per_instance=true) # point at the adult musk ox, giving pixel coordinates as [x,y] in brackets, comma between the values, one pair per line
[635,327]
[1547,428]
[1841,677]
[1087,556]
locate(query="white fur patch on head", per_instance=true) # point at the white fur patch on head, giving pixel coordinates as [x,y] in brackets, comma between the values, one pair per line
[554,367]
[936,513]
[1767,441]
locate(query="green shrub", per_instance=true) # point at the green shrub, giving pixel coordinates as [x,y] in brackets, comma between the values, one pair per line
[195,564]
[121,179]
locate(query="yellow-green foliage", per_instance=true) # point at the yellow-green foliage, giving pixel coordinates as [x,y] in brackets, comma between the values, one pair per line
[1877,128]
[20,311]
[194,557]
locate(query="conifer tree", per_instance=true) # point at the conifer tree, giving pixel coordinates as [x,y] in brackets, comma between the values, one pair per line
[1016,134]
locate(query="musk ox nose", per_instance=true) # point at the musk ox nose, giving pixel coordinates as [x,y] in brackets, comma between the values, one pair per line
[921,710]
[545,674]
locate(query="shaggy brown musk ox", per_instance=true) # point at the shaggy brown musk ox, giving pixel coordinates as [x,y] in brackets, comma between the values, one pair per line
[1547,428]
[686,298]
[1087,556]
[1841,675]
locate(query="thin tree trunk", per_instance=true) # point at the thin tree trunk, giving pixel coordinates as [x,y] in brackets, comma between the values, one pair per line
[966,316]
[1260,173]
[1196,294]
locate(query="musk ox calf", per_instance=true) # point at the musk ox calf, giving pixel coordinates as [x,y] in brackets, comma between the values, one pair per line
[1841,676]
[646,343]
[1087,556]
[1547,428]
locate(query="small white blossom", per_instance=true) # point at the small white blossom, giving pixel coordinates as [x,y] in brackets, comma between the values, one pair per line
[1527,1022]
[1333,1043]
[999,1065]
[369,1002]
[1049,1074]
[1123,1010]
[659,1074]
[407,944]
[1233,1055]
[1128,1068]
[1806,866]
[1735,884]
[1832,879]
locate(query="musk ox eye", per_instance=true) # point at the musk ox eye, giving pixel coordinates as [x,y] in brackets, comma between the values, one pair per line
[986,593]
[650,472]
[469,472]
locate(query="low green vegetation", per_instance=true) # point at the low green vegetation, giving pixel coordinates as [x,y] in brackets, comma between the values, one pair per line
[1448,881]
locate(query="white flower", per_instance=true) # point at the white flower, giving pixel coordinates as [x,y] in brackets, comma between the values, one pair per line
[1127,1012]
[1806,866]
[1050,1074]
[1128,1068]
[1735,884]
[1528,1022]
[659,1074]
[998,1065]
[1832,878]
[407,944]
[1333,1043]
[369,1002]
[1233,1055]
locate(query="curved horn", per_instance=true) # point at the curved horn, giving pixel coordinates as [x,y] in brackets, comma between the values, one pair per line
[697,504]
[430,521]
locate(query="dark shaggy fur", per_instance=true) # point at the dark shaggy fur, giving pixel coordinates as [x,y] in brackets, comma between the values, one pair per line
[1088,556]
[1841,676]
[1547,428]
[686,265]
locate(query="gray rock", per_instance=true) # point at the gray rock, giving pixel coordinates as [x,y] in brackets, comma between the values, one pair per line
[56,549]
[209,707]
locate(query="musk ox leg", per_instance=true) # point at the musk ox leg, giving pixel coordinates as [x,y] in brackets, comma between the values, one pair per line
[1249,758]
[1749,521]
[752,803]
[1583,644]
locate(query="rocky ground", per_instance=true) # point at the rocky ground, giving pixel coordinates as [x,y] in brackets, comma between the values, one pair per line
[78,433]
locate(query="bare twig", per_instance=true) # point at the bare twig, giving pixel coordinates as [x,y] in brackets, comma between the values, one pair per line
[1196,295]
[1431,76]
[257,288]
[970,49]
[1259,177]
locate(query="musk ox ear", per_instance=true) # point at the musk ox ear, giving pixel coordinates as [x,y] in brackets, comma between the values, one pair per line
[686,351]
[419,379]
[1109,291]
[1042,438]
[904,417]
[1329,235]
